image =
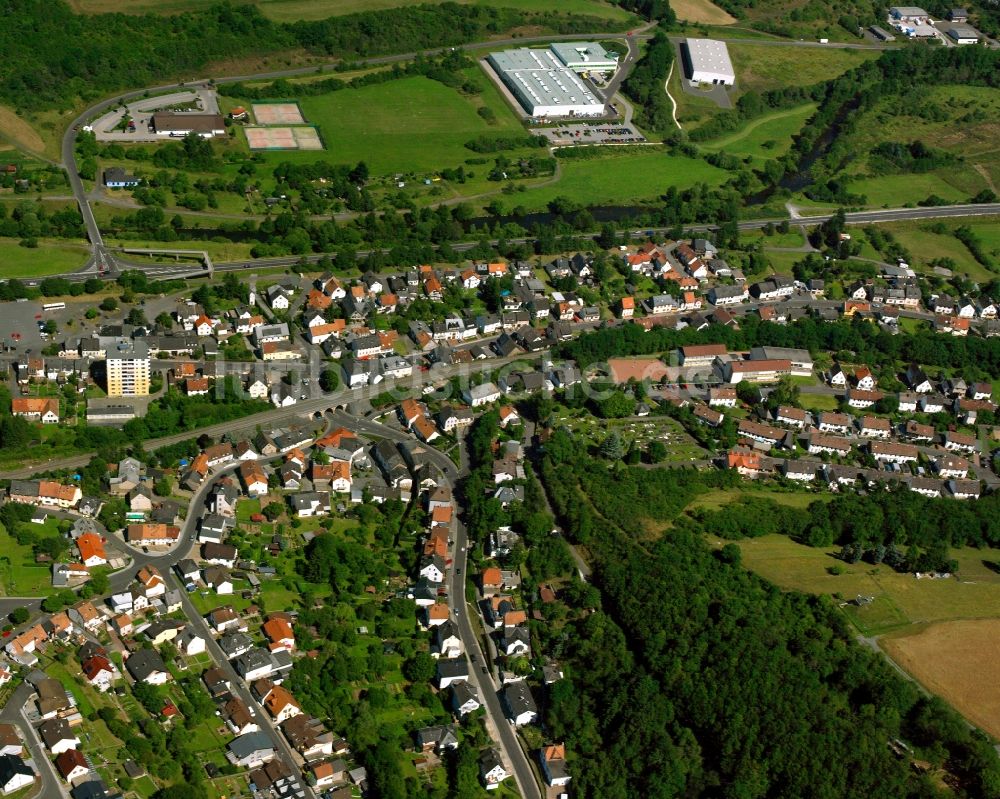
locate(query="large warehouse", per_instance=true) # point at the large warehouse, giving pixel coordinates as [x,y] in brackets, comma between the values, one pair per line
[544,85]
[707,61]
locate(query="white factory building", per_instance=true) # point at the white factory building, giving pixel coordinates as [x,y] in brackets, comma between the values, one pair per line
[707,61]
[585,56]
[544,85]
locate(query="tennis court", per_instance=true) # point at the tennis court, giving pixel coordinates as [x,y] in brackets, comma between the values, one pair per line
[283,138]
[278,114]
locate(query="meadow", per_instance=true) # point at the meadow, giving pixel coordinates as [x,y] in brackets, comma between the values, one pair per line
[51,257]
[763,138]
[621,179]
[961,120]
[760,68]
[900,600]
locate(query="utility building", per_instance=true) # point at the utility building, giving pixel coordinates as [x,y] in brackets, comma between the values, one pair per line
[585,56]
[707,61]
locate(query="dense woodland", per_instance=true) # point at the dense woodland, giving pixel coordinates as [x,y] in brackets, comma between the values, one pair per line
[53,56]
[745,691]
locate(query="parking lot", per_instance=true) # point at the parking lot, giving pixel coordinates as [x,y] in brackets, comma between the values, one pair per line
[591,133]
[204,101]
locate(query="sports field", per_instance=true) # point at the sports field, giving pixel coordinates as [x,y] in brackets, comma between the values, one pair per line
[960,662]
[277,114]
[283,138]
[408,125]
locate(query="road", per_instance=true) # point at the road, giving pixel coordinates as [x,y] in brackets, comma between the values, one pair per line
[462,613]
[50,785]
[852,217]
[319,403]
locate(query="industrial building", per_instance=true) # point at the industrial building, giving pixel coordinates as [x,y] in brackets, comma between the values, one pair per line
[707,61]
[963,34]
[127,367]
[544,85]
[913,21]
[168,123]
[585,56]
[907,13]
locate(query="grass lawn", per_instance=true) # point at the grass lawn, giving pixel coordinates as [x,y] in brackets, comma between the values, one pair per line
[818,402]
[407,125]
[783,261]
[900,599]
[793,238]
[219,251]
[622,179]
[793,499]
[19,574]
[768,136]
[50,257]
[896,190]
[762,68]
[291,10]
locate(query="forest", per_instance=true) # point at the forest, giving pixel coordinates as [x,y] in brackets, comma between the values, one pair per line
[744,690]
[53,56]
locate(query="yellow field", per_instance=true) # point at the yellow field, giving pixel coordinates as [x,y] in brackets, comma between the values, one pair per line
[18,132]
[960,662]
[701,11]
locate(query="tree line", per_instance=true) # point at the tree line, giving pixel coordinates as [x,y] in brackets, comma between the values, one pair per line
[53,56]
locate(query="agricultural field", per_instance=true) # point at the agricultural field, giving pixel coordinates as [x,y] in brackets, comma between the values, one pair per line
[900,600]
[701,11]
[960,662]
[50,257]
[292,10]
[960,120]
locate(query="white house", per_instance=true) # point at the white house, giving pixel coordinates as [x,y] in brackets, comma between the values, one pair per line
[484,394]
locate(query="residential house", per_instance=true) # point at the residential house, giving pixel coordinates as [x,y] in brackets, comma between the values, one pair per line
[146,665]
[518,703]
[553,761]
[72,765]
[491,769]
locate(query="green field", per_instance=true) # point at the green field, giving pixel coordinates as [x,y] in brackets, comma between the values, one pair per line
[19,574]
[622,179]
[411,125]
[768,136]
[793,499]
[900,599]
[925,246]
[50,257]
[760,68]
[961,120]
[291,10]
